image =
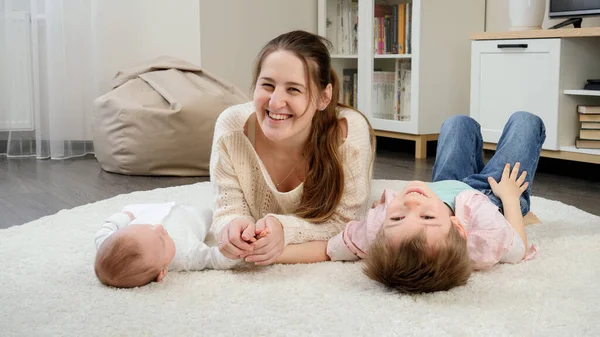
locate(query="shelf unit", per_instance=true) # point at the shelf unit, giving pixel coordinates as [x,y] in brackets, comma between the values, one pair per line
[439,62]
[561,60]
[556,61]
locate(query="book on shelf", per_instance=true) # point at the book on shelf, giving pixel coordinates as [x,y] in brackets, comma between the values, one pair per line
[390,95]
[590,126]
[401,24]
[589,118]
[408,28]
[404,92]
[589,134]
[587,144]
[349,76]
[392,28]
[342,26]
[383,96]
[588,109]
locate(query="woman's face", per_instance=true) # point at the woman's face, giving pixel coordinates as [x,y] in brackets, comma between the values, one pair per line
[284,109]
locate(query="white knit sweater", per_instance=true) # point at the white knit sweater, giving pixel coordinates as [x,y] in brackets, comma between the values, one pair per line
[243,187]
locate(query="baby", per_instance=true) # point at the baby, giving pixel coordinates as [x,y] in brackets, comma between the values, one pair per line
[429,236]
[143,242]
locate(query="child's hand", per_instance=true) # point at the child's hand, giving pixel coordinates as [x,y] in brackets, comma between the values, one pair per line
[267,249]
[380,201]
[233,239]
[130,215]
[511,185]
[261,232]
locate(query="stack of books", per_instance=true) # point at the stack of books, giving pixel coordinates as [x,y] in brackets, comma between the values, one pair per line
[392,28]
[390,94]
[589,133]
[342,26]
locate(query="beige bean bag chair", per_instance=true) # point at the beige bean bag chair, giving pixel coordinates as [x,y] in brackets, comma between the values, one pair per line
[159,119]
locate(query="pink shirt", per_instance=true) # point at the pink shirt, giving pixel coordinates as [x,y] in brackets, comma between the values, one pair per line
[490,237]
[352,243]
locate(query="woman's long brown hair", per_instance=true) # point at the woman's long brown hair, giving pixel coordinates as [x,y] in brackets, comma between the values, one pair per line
[324,183]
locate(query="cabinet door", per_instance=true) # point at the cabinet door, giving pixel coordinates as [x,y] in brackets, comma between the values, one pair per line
[515,75]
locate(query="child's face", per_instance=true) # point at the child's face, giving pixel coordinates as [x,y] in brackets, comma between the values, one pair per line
[158,247]
[416,209]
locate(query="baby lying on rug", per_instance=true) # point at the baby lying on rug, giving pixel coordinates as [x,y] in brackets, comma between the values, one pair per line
[143,242]
[430,236]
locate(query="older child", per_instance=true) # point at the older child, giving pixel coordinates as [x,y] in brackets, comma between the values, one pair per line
[140,244]
[430,236]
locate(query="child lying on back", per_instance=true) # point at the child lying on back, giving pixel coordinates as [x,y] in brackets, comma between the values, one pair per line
[430,236]
[140,244]
[415,242]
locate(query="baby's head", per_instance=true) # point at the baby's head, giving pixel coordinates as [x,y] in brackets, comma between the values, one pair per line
[134,256]
[421,246]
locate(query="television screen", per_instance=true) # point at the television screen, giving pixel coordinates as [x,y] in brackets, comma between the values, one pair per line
[560,8]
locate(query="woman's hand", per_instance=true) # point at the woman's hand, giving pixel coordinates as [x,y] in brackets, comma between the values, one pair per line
[511,185]
[235,237]
[268,248]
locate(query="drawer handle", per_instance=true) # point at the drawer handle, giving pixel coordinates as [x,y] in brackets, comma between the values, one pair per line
[513,45]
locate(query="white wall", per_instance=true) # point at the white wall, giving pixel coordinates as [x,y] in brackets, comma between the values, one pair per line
[234,31]
[132,31]
[223,37]
[497,17]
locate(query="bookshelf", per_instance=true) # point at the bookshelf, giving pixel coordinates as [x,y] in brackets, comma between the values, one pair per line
[406,94]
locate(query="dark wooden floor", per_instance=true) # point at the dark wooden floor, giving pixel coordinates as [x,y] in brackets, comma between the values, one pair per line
[30,188]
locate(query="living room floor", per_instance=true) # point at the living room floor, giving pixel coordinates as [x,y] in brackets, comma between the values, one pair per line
[30,188]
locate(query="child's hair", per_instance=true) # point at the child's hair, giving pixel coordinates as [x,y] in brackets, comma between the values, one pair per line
[120,263]
[413,267]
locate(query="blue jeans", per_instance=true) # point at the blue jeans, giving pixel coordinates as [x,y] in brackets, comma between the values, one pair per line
[460,153]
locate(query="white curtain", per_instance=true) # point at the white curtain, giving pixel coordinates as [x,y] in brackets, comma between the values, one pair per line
[47,78]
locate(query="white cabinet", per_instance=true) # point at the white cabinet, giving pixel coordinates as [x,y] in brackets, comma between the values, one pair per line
[513,75]
[438,59]
[542,74]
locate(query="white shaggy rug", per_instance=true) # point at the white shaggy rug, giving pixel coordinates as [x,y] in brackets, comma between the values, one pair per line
[48,287]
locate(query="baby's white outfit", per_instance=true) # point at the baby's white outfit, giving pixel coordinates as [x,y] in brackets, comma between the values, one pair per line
[186,225]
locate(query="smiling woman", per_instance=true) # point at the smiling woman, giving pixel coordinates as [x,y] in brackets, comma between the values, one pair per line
[283,162]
